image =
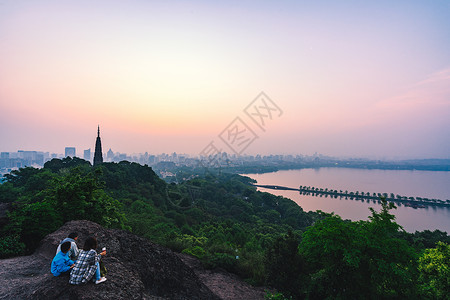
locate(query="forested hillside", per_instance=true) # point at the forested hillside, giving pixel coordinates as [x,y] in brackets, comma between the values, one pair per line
[225,222]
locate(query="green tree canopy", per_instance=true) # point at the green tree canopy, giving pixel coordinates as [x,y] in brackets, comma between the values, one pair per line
[358,260]
[434,272]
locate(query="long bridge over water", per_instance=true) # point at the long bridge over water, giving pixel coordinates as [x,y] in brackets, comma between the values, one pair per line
[415,202]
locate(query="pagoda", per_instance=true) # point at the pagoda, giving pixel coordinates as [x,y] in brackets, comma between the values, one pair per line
[98,157]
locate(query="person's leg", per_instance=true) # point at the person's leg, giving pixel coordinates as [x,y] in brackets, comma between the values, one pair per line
[98,279]
[97,272]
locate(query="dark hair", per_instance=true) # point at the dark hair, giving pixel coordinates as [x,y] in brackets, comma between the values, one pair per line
[65,247]
[90,243]
[73,235]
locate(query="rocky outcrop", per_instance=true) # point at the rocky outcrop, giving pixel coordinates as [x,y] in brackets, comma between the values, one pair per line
[137,269]
[222,283]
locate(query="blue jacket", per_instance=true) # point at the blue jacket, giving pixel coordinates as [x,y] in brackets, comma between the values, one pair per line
[61,263]
[73,251]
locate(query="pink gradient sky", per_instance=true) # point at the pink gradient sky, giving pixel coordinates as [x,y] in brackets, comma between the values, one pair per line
[352,79]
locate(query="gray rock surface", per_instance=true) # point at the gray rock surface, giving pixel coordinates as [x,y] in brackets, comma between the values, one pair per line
[137,269]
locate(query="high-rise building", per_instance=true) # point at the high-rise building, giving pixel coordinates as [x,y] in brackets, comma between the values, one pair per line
[4,160]
[110,155]
[98,156]
[70,151]
[87,154]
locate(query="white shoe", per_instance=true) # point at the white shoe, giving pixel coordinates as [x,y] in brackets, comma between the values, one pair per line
[102,279]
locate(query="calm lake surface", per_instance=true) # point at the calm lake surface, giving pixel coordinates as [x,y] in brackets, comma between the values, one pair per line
[427,184]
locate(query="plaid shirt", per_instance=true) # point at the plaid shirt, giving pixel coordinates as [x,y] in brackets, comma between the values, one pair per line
[85,267]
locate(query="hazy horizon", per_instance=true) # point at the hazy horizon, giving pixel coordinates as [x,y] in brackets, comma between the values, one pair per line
[80,153]
[348,79]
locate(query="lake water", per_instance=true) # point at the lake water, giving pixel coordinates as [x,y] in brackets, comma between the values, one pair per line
[427,184]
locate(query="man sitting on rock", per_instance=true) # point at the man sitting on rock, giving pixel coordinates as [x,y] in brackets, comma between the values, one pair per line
[73,252]
[61,263]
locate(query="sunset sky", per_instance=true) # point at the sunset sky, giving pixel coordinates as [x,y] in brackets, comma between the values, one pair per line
[351,78]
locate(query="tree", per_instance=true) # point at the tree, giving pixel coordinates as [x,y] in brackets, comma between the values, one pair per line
[331,249]
[81,197]
[434,272]
[284,265]
[69,196]
[20,177]
[36,220]
[56,165]
[391,260]
[358,260]
[8,193]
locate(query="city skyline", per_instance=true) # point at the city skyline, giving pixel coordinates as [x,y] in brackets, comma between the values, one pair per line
[350,80]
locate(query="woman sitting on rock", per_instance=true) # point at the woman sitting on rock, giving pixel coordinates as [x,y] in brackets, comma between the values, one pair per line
[87,264]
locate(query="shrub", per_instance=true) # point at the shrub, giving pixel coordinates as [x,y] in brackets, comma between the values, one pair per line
[11,246]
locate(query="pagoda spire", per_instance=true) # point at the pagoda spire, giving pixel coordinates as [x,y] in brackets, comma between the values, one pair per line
[98,156]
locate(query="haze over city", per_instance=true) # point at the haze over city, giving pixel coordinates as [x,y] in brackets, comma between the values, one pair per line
[351,79]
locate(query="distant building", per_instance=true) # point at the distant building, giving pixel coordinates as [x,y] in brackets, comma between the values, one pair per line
[98,156]
[87,154]
[4,160]
[27,158]
[174,157]
[110,155]
[70,151]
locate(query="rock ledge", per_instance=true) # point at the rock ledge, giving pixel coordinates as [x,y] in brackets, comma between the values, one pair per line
[137,269]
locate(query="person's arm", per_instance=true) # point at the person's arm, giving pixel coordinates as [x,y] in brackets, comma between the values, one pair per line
[67,263]
[98,257]
[75,250]
[54,267]
[92,257]
[63,268]
[60,266]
